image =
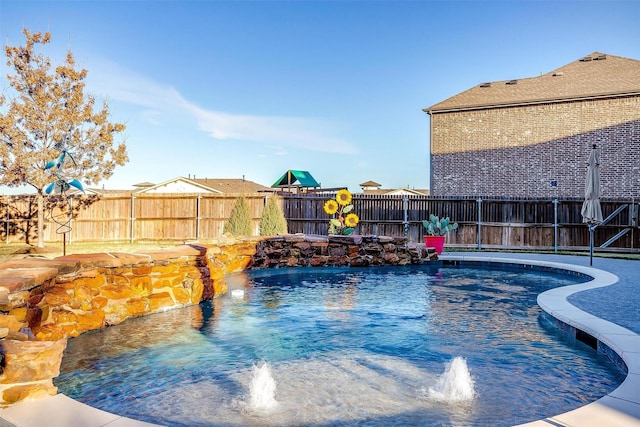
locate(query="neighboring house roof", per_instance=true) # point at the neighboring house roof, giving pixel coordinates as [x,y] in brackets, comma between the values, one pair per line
[93,190]
[233,185]
[398,192]
[106,191]
[594,76]
[372,187]
[144,184]
[370,184]
[290,177]
[206,185]
[408,192]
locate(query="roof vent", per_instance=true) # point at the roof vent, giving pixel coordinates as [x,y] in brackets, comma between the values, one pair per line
[586,59]
[512,82]
[600,57]
[558,74]
[485,84]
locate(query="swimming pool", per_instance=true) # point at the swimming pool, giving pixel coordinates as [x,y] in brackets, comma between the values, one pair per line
[345,347]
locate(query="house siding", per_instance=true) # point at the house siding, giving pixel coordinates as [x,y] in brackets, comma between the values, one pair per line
[517,151]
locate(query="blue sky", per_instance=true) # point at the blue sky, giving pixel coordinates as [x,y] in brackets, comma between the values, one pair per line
[226,89]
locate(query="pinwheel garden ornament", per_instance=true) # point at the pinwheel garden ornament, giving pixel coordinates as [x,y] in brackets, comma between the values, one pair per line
[61,185]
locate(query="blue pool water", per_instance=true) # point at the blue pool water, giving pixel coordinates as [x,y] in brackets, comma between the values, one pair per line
[424,345]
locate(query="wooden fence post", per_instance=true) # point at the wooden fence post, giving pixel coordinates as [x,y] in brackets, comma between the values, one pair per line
[198,216]
[555,225]
[479,200]
[405,222]
[132,219]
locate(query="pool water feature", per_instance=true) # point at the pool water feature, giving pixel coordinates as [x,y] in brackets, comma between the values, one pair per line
[262,393]
[455,384]
[422,345]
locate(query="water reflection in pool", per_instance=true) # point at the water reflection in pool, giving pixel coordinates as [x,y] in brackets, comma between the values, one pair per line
[345,347]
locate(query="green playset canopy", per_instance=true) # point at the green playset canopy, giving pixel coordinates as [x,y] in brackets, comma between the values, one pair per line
[298,178]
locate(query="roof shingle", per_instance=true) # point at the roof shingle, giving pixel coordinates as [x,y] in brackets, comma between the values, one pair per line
[596,75]
[232,185]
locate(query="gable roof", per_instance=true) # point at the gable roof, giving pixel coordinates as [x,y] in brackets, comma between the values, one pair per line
[144,184]
[206,185]
[232,185]
[97,191]
[397,192]
[105,191]
[594,76]
[290,177]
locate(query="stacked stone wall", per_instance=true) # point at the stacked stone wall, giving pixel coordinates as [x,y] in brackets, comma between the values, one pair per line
[44,302]
[351,251]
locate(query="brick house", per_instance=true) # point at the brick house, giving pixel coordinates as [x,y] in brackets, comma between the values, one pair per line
[532,137]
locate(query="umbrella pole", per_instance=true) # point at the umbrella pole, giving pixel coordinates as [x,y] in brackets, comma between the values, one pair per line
[591,244]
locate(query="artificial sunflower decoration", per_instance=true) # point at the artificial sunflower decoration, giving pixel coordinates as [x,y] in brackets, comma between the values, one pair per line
[343,221]
[343,197]
[331,206]
[351,220]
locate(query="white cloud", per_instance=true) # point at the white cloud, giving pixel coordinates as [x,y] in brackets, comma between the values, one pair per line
[277,150]
[301,133]
[152,116]
[124,85]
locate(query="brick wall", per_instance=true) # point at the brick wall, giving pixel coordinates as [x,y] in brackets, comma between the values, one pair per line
[519,151]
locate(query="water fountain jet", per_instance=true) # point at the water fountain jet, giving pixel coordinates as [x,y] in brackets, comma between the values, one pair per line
[262,393]
[455,384]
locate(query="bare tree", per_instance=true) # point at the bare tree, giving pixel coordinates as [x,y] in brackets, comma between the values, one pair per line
[49,119]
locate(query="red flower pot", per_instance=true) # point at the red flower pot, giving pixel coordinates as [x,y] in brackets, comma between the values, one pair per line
[436,242]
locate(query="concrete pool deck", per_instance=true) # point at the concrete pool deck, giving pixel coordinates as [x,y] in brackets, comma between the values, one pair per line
[606,308]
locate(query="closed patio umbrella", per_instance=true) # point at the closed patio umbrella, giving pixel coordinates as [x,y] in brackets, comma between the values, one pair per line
[591,210]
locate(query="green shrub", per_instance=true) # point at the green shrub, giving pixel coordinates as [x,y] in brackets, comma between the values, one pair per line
[273,221]
[239,223]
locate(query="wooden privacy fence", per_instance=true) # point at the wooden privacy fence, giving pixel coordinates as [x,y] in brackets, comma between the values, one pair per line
[541,224]
[127,218]
[483,223]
